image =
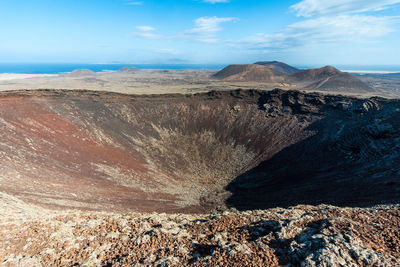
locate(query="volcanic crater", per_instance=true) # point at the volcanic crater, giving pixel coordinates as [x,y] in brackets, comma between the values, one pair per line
[200,152]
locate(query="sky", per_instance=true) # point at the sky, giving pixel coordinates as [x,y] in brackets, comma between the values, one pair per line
[298,32]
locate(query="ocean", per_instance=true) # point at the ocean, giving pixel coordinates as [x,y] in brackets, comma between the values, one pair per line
[58,68]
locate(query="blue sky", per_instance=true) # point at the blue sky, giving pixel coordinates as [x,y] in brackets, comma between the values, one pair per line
[300,32]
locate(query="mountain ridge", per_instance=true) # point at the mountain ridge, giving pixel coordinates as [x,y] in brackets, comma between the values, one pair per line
[249,72]
[278,66]
[327,78]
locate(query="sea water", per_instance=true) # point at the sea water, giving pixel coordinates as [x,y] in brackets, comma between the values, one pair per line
[58,68]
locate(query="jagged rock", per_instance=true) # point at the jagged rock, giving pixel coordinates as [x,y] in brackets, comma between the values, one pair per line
[297,236]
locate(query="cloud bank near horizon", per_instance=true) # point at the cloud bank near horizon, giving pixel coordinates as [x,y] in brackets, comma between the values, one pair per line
[327,23]
[324,22]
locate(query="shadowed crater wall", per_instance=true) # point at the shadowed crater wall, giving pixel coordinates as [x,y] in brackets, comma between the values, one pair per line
[194,153]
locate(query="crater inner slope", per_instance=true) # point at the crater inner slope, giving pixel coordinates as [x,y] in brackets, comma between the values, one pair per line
[192,153]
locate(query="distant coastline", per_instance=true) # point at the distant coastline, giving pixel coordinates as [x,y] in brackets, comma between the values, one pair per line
[372,71]
[60,68]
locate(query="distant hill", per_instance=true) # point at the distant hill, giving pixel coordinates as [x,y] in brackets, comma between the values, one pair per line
[128,69]
[249,73]
[312,75]
[343,82]
[329,78]
[81,72]
[278,66]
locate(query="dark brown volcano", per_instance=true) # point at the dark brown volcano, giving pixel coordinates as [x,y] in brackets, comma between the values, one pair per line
[249,73]
[246,149]
[278,66]
[322,79]
[313,75]
[329,79]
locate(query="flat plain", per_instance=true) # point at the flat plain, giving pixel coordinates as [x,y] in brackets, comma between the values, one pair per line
[173,81]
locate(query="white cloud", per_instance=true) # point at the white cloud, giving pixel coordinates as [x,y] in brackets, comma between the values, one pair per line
[309,8]
[145,28]
[148,35]
[210,24]
[216,1]
[343,27]
[135,3]
[206,28]
[323,30]
[331,22]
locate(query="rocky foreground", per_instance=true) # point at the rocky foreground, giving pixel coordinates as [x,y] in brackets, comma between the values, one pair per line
[301,235]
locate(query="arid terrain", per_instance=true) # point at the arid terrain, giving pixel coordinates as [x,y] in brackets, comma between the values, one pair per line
[196,81]
[302,235]
[203,168]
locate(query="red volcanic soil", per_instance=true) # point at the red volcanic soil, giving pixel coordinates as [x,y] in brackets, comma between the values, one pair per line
[301,235]
[75,164]
[195,153]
